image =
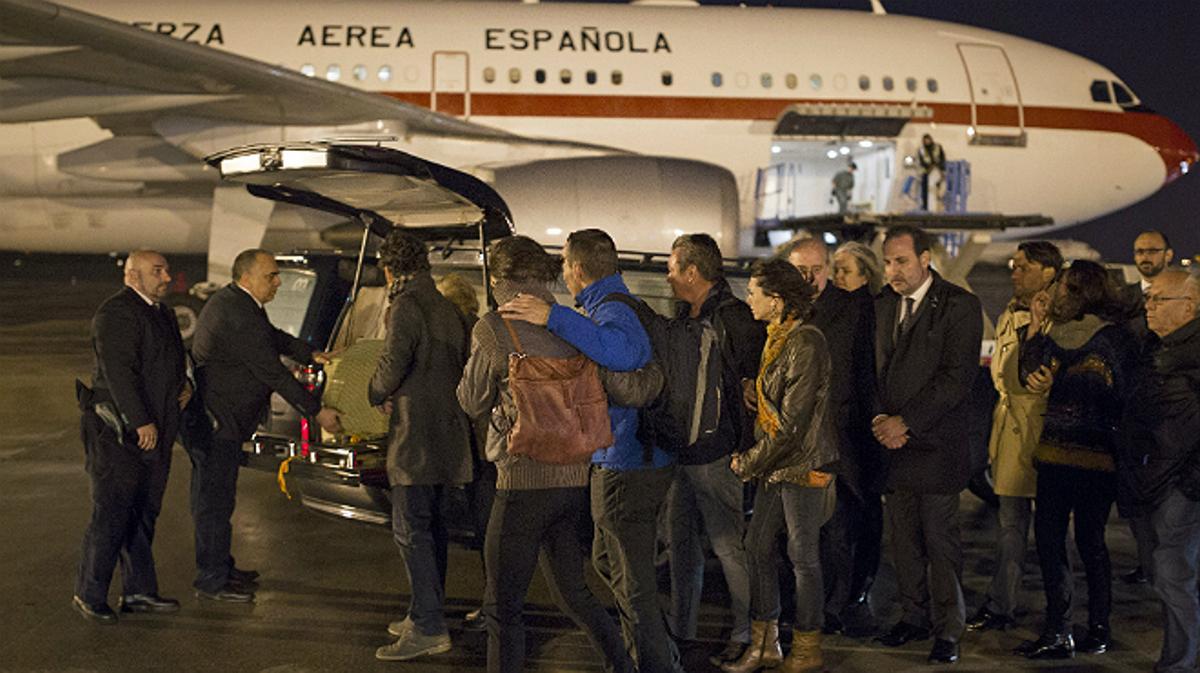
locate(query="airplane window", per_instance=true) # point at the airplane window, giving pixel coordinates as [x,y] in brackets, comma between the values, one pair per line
[790,80]
[931,84]
[489,75]
[564,76]
[864,82]
[385,73]
[667,78]
[717,80]
[360,72]
[539,76]
[1100,93]
[815,81]
[766,80]
[333,73]
[617,77]
[591,77]
[910,83]
[514,75]
[1123,96]
[888,84]
[308,70]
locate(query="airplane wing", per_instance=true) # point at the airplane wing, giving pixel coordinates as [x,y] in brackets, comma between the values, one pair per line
[59,63]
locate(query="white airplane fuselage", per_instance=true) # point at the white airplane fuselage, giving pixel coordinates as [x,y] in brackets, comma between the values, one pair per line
[701,83]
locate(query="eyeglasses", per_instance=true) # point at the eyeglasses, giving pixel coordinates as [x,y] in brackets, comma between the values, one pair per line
[811,270]
[1148,251]
[1158,299]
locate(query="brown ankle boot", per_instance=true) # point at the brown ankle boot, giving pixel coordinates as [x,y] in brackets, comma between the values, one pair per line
[762,652]
[805,656]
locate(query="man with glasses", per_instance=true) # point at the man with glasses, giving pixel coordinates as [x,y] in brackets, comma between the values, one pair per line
[1016,427]
[1152,254]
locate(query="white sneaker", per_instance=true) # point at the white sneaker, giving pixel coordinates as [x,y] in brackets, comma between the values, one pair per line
[412,645]
[401,627]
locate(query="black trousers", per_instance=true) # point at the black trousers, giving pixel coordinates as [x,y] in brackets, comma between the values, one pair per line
[850,548]
[127,492]
[1089,494]
[927,551]
[526,526]
[215,465]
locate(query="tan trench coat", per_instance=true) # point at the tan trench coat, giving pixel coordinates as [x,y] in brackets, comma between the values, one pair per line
[1017,420]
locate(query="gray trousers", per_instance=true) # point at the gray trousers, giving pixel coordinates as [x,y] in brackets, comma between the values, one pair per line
[927,551]
[1012,539]
[707,499]
[1176,524]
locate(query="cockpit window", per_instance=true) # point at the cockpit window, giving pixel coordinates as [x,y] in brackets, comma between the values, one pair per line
[1123,96]
[1100,92]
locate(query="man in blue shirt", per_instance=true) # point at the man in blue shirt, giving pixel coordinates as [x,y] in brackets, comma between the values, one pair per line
[629,481]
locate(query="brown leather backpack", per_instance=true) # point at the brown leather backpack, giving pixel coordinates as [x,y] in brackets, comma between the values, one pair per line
[562,409]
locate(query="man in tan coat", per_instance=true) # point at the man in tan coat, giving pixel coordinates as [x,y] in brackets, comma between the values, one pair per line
[1016,427]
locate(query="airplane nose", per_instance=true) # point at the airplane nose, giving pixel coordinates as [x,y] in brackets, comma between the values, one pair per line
[1176,147]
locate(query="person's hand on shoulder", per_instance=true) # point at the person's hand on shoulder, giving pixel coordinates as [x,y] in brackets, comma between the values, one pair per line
[528,308]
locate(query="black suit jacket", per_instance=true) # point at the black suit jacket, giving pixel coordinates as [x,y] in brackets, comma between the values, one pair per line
[847,319]
[140,363]
[237,352]
[925,376]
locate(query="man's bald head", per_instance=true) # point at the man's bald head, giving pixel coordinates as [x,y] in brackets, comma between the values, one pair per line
[147,272]
[1171,301]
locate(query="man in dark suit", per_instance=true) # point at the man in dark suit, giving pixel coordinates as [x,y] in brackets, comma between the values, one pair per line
[238,366]
[927,338]
[850,540]
[130,419]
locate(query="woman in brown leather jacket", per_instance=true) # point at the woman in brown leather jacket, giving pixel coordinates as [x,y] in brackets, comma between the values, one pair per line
[794,442]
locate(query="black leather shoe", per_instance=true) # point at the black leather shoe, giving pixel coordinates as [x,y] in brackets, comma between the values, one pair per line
[243,576]
[1097,641]
[943,652]
[474,620]
[99,612]
[1135,576]
[1048,646]
[986,620]
[903,633]
[148,603]
[732,652]
[230,593]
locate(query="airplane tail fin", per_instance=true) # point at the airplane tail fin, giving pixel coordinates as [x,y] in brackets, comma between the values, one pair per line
[877,7]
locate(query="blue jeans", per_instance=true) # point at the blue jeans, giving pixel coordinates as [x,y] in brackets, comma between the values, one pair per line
[707,498]
[1176,524]
[420,533]
[801,510]
[625,510]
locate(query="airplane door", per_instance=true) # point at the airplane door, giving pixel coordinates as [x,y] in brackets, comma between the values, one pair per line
[451,92]
[997,114]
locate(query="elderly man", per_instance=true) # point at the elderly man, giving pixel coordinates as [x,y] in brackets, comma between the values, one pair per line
[850,540]
[1016,427]
[1159,460]
[130,419]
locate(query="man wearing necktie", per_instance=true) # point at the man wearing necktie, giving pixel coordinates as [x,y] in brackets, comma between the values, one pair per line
[927,339]
[130,419]
[238,366]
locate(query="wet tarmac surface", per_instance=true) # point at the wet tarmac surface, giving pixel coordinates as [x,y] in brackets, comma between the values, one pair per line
[329,586]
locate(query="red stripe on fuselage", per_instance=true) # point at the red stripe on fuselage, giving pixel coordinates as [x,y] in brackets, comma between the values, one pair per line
[1172,144]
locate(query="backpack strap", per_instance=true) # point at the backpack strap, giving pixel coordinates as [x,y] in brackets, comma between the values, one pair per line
[512,333]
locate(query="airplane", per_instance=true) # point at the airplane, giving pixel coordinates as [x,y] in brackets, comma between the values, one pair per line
[646,120]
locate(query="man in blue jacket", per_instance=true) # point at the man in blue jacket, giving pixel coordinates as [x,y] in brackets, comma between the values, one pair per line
[629,481]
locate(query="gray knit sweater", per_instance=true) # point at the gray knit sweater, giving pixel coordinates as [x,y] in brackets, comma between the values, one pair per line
[484,391]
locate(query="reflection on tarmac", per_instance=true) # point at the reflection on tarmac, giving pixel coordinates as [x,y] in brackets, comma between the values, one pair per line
[330,587]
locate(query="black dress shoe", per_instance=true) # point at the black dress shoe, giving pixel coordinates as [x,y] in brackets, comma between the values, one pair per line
[943,652]
[732,652]
[230,593]
[148,603]
[1135,576]
[903,633]
[1097,641]
[98,612]
[1049,646]
[474,620]
[244,576]
[986,620]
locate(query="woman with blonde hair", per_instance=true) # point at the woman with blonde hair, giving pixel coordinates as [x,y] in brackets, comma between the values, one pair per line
[854,266]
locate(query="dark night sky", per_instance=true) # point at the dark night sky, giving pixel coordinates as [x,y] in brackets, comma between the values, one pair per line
[1152,45]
